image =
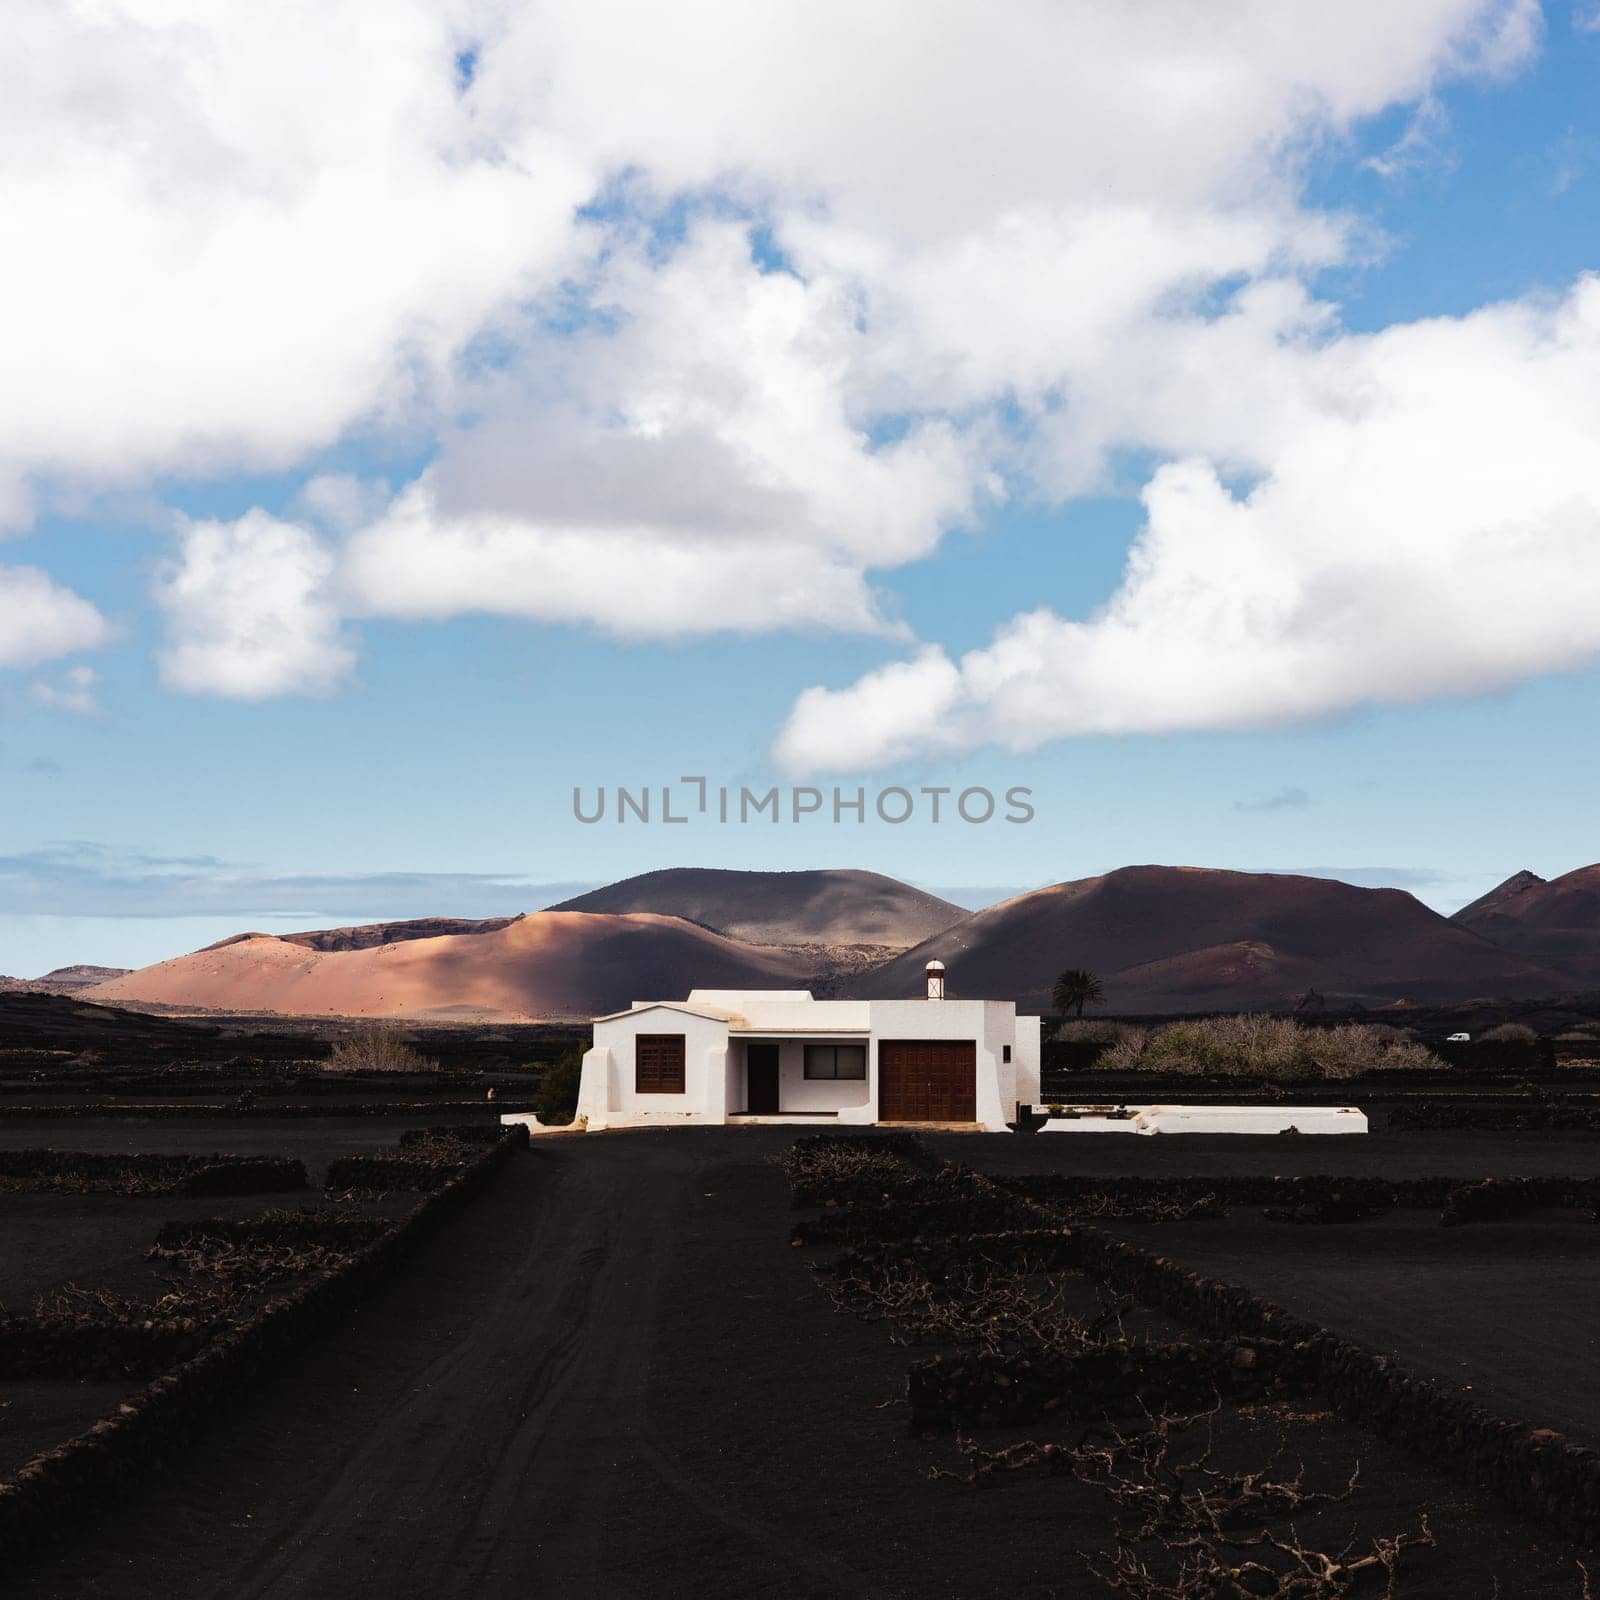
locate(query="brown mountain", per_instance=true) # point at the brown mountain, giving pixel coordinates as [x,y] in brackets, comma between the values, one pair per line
[1194,939]
[548,965]
[783,908]
[1555,922]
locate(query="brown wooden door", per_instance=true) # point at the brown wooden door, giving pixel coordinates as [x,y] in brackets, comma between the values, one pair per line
[761,1079]
[928,1080]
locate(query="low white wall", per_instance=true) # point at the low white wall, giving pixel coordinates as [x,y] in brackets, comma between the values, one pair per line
[1275,1120]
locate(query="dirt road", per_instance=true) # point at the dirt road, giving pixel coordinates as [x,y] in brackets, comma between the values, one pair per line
[481,1430]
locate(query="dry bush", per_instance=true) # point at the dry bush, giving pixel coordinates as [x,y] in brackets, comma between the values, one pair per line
[377,1049]
[1214,1569]
[232,1268]
[1510,1033]
[821,1165]
[205,1303]
[976,1309]
[1163,1490]
[1085,1030]
[1259,1045]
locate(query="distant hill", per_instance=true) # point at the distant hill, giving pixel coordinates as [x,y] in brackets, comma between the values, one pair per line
[1555,921]
[61,980]
[783,908]
[1195,939]
[371,934]
[550,964]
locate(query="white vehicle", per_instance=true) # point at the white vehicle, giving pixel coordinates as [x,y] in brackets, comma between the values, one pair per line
[1459,1038]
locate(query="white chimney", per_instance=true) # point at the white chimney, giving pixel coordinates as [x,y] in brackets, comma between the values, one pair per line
[936,980]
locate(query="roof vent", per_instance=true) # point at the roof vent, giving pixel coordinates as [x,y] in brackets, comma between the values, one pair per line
[936,980]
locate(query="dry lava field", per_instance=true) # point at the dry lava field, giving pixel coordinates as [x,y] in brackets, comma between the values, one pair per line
[327,1339]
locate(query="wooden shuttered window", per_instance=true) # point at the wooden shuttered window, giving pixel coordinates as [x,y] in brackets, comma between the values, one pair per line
[658,1063]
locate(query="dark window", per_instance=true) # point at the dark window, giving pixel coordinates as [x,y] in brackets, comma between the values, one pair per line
[658,1063]
[1005,1052]
[836,1061]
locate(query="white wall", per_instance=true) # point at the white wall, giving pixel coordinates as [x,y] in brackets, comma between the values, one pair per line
[1027,1056]
[705,1069]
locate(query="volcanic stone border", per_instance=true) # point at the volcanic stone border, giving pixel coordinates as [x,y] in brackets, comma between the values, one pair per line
[53,1172]
[959,1214]
[1169,1376]
[1461,1200]
[50,1498]
[386,1174]
[233,1110]
[68,1347]
[1538,1116]
[464,1132]
[318,1227]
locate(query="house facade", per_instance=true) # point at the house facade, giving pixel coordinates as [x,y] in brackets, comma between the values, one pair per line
[752,1055]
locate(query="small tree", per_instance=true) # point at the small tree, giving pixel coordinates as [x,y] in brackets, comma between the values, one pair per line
[1076,989]
[1511,1033]
[556,1102]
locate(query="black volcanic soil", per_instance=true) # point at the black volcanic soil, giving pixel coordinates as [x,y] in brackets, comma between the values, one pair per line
[613,1377]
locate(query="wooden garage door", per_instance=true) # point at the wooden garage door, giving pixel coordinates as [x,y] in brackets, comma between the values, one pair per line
[927,1080]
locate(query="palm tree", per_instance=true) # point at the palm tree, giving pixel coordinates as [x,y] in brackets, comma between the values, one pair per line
[1076,989]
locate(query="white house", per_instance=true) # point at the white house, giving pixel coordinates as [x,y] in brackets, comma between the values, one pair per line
[753,1055]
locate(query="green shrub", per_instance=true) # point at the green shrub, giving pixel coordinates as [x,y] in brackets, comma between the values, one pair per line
[1267,1047]
[556,1103]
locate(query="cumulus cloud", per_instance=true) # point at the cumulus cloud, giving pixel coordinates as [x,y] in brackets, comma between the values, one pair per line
[248,612]
[708,315]
[239,231]
[1426,521]
[41,621]
[692,468]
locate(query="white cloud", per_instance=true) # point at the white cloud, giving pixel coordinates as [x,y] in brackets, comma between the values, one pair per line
[340,501]
[41,621]
[1426,522]
[692,469]
[249,614]
[1003,234]
[921,123]
[238,231]
[74,692]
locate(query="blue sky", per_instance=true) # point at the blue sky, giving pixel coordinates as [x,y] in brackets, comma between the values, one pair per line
[418,756]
